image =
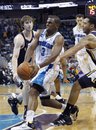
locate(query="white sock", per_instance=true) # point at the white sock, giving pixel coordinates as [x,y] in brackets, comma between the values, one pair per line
[63,106]
[58,97]
[14,95]
[29,116]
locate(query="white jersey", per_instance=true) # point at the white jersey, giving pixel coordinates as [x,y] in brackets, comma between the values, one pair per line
[45,46]
[78,34]
[46,75]
[92,52]
[85,62]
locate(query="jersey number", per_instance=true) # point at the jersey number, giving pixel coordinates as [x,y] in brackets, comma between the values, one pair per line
[43,51]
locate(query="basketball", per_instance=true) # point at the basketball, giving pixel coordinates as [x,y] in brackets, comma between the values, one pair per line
[25,71]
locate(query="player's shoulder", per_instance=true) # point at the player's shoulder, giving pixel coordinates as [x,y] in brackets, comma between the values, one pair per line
[75,28]
[19,38]
[92,33]
[91,36]
[59,35]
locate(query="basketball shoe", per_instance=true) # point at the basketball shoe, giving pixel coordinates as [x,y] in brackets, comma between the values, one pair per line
[13,102]
[74,113]
[64,119]
[63,101]
[25,126]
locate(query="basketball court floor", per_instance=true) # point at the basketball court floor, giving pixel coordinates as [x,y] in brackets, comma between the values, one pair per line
[86,118]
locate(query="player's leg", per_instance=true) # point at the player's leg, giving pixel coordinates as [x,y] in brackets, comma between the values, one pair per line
[86,64]
[54,74]
[35,90]
[57,85]
[57,94]
[16,99]
[47,101]
[29,123]
[38,86]
[65,118]
[83,82]
[25,93]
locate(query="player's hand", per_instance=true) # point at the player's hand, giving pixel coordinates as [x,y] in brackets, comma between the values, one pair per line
[15,77]
[65,80]
[35,70]
[17,81]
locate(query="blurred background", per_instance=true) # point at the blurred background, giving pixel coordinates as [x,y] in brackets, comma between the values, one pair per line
[12,10]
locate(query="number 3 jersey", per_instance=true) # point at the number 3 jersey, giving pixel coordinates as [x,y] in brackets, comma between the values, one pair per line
[45,46]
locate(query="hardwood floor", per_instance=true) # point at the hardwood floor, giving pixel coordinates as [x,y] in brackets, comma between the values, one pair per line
[87,115]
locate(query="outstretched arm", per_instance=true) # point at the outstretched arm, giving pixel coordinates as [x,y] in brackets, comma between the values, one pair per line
[86,41]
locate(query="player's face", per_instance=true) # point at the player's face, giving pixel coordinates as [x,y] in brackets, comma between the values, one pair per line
[28,25]
[50,24]
[79,21]
[86,26]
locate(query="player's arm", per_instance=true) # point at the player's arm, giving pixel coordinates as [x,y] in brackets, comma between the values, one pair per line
[32,46]
[87,40]
[59,42]
[18,43]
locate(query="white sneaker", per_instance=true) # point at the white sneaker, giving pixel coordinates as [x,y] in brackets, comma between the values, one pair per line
[24,126]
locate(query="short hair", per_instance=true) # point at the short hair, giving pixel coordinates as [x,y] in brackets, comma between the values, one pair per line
[92,20]
[25,18]
[56,19]
[79,16]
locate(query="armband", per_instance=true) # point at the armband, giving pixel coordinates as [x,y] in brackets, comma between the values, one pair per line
[38,66]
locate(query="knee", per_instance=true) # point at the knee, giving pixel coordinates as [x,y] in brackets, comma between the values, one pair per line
[33,92]
[43,102]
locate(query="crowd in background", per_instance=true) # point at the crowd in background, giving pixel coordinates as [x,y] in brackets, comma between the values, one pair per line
[10,27]
[38,1]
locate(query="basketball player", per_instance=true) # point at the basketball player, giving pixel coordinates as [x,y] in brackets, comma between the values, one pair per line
[21,42]
[88,80]
[83,58]
[48,45]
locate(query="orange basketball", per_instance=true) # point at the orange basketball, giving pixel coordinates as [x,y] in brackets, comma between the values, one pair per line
[25,71]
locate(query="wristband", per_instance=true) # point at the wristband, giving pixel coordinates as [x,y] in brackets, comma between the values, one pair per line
[38,66]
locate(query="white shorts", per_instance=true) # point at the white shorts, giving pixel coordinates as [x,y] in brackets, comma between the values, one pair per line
[45,79]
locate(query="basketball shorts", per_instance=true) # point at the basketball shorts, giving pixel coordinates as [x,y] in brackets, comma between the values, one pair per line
[88,80]
[44,80]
